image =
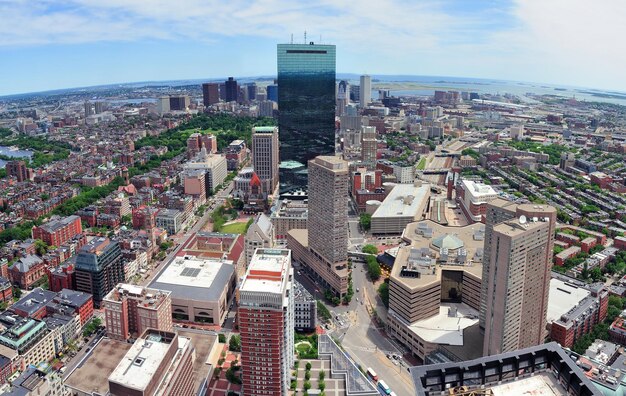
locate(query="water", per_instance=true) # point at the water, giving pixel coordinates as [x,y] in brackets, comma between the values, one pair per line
[17,153]
[131,101]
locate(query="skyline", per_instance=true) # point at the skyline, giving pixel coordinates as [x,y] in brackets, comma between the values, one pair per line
[79,43]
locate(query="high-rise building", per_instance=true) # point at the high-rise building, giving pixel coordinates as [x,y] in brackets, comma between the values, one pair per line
[516,275]
[131,310]
[272,93]
[266,323]
[365,91]
[251,90]
[369,145]
[99,107]
[210,93]
[88,108]
[343,96]
[99,267]
[18,169]
[231,90]
[179,102]
[163,104]
[265,157]
[306,105]
[328,208]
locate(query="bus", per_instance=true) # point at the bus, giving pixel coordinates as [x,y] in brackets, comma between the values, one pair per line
[372,374]
[385,390]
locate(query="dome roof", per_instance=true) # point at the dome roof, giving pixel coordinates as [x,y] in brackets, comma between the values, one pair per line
[448,241]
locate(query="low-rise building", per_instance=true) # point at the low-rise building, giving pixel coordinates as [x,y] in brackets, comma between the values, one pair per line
[289,215]
[27,271]
[57,232]
[170,220]
[35,382]
[260,234]
[404,204]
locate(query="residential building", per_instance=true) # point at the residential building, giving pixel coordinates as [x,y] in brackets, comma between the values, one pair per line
[323,247]
[28,338]
[35,382]
[306,104]
[474,197]
[201,288]
[57,232]
[18,170]
[266,323]
[369,145]
[260,234]
[159,363]
[74,302]
[61,277]
[214,165]
[6,290]
[194,183]
[170,220]
[33,305]
[265,156]
[131,310]
[99,267]
[236,153]
[519,242]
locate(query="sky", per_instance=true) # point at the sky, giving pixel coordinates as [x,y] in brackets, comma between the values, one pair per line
[52,44]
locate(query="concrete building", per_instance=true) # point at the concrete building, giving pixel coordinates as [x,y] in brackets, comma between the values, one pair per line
[517,132]
[434,290]
[260,234]
[201,289]
[265,156]
[519,241]
[99,267]
[28,341]
[542,370]
[404,204]
[369,145]
[170,220]
[474,198]
[35,382]
[214,165]
[194,184]
[404,173]
[289,215]
[18,169]
[231,90]
[130,310]
[160,363]
[57,232]
[323,247]
[266,323]
[365,91]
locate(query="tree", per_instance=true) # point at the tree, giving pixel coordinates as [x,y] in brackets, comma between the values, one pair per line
[370,249]
[221,338]
[17,292]
[365,221]
[41,247]
[234,344]
[373,268]
[383,292]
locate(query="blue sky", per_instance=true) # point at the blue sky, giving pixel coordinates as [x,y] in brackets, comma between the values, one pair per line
[49,44]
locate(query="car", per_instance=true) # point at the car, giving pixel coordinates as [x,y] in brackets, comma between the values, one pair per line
[357,289]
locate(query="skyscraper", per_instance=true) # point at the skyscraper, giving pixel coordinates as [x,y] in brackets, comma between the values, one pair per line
[265,156]
[99,268]
[306,104]
[232,90]
[18,169]
[210,93]
[368,145]
[272,93]
[343,96]
[516,275]
[251,91]
[266,323]
[88,108]
[366,90]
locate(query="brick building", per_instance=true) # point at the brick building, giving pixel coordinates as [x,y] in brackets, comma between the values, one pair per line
[57,232]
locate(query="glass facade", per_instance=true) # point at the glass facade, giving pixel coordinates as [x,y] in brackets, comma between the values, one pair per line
[306,106]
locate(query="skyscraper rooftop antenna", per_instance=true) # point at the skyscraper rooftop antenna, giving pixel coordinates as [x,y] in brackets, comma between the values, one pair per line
[305,37]
[291,38]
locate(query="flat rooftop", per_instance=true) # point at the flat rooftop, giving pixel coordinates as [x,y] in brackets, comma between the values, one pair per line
[478,190]
[194,278]
[540,384]
[404,200]
[267,271]
[445,329]
[203,343]
[563,297]
[141,362]
[93,374]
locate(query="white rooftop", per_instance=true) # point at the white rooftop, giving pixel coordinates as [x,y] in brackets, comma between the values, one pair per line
[141,362]
[477,189]
[192,271]
[539,384]
[562,298]
[404,200]
[444,329]
[267,272]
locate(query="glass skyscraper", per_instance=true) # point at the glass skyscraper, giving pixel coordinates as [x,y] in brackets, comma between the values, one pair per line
[306,108]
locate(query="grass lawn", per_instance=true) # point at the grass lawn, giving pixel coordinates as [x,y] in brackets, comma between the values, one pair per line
[234,228]
[422,164]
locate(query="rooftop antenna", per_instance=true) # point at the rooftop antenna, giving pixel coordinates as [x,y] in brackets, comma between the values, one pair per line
[291,38]
[320,39]
[305,37]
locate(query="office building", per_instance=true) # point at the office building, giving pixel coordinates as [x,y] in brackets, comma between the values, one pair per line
[265,156]
[289,215]
[18,170]
[540,370]
[266,323]
[179,102]
[517,132]
[365,91]
[29,338]
[266,108]
[369,145]
[99,267]
[251,90]
[214,165]
[160,363]
[170,220]
[57,232]
[130,310]
[519,241]
[99,107]
[343,96]
[88,109]
[404,204]
[272,92]
[306,104]
[231,90]
[201,288]
[210,94]
[474,197]
[323,247]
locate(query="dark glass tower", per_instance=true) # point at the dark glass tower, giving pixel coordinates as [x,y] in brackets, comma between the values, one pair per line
[306,108]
